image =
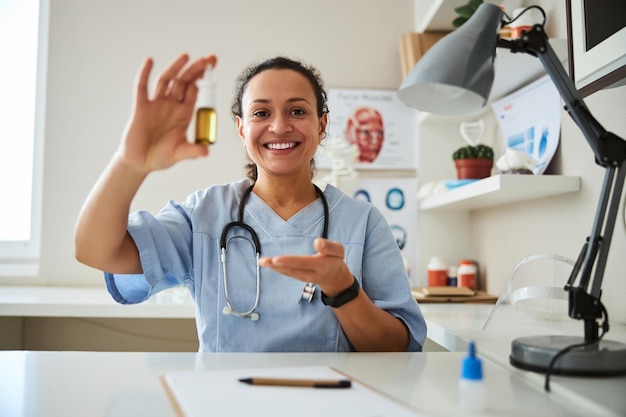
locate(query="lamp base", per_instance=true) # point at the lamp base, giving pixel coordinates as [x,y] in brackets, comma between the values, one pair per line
[603,358]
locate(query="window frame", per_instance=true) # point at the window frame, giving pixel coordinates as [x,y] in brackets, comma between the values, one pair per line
[21,258]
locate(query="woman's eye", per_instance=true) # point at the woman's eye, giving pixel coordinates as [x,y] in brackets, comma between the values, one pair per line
[260,113]
[298,112]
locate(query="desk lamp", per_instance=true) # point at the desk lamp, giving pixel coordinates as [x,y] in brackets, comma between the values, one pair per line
[454,77]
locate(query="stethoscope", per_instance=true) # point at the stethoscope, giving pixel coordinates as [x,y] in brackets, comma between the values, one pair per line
[308,292]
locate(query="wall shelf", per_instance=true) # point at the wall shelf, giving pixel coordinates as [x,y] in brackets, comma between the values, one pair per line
[501,189]
[435,15]
[513,70]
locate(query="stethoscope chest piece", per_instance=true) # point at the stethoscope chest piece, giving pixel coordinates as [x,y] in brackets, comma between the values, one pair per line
[308,292]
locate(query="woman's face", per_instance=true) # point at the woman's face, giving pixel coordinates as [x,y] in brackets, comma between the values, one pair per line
[279,126]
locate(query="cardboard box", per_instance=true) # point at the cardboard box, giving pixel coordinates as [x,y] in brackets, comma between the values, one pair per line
[413,45]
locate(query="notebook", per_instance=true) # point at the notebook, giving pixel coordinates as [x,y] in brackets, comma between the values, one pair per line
[220,393]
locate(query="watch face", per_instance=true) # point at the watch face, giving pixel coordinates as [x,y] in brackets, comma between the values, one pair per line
[395,199]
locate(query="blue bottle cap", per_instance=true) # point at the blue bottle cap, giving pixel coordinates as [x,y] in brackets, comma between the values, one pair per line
[472,368]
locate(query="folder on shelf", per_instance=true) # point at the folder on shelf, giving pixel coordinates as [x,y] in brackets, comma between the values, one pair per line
[451,295]
[413,45]
[220,393]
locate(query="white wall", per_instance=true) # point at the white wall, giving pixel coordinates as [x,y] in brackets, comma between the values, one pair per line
[96,48]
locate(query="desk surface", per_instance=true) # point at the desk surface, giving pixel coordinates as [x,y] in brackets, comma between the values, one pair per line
[127,384]
[454,325]
[450,325]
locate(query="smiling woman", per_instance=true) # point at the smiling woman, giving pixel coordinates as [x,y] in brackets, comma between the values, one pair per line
[23,29]
[255,252]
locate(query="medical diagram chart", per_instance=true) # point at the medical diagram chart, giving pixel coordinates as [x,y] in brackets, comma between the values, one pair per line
[395,198]
[377,123]
[530,121]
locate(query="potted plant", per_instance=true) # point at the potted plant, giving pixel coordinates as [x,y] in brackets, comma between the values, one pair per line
[465,12]
[473,162]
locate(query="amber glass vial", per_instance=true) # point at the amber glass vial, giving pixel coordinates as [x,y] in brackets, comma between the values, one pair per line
[206,116]
[206,126]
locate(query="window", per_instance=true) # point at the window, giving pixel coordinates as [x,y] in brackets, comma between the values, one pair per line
[23,46]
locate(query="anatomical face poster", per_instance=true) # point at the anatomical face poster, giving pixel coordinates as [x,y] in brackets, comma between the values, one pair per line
[377,123]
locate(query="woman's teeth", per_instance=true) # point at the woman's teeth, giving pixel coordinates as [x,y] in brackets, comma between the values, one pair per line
[281,145]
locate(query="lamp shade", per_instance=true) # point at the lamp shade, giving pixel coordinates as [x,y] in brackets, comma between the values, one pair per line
[455,76]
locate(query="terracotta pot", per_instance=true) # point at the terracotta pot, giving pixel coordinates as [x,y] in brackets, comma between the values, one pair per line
[474,168]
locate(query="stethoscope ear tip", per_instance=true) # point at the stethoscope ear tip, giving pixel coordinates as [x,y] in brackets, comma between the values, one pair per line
[227,310]
[254,316]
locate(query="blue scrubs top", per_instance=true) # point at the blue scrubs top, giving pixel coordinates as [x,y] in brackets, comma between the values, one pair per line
[181,246]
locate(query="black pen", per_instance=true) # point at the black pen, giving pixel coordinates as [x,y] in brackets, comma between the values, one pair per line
[290,382]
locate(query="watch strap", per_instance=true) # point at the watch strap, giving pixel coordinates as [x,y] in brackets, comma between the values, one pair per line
[343,297]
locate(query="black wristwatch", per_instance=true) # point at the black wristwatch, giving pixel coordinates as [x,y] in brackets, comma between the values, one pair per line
[343,297]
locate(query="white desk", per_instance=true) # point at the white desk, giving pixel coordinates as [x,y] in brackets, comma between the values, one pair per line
[449,325]
[127,384]
[454,325]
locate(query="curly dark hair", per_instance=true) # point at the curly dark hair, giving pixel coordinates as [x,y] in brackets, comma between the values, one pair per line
[280,62]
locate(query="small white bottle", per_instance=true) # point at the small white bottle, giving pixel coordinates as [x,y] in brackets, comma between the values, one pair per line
[437,272]
[206,116]
[472,395]
[466,274]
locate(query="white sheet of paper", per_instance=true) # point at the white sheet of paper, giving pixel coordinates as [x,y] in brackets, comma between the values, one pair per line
[530,121]
[219,393]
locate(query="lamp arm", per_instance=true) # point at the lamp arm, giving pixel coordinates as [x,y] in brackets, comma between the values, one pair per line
[610,152]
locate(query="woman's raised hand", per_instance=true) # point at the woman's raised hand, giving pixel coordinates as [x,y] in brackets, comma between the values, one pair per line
[156,134]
